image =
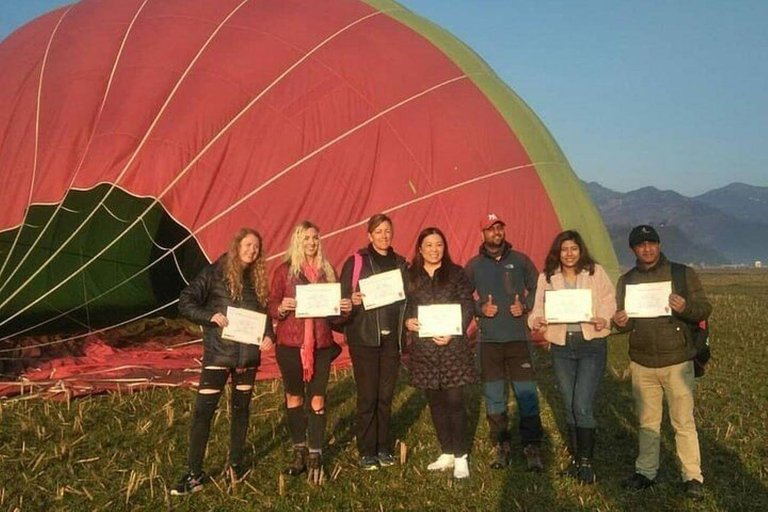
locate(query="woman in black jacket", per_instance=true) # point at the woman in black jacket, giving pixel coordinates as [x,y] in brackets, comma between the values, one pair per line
[443,365]
[238,279]
[374,337]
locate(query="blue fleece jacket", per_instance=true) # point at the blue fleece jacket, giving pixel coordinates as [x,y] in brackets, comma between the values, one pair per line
[513,273]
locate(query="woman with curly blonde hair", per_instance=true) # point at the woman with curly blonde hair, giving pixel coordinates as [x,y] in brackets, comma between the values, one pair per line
[305,347]
[236,279]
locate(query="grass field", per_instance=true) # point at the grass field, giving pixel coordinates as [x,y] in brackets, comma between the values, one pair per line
[123,452]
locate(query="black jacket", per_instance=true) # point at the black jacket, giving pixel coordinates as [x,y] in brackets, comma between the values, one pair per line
[363,327]
[433,366]
[208,294]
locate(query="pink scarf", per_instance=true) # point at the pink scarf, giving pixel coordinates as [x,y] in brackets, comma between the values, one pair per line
[310,343]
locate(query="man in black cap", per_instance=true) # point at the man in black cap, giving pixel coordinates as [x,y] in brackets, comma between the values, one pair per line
[661,351]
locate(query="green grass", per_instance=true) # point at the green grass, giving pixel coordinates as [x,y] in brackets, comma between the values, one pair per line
[123,452]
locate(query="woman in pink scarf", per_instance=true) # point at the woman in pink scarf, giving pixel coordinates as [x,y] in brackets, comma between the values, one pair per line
[305,346]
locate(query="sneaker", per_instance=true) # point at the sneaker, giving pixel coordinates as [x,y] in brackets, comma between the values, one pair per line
[444,461]
[503,455]
[586,472]
[369,463]
[461,467]
[191,482]
[533,458]
[386,459]
[572,470]
[694,490]
[638,482]
[299,463]
[237,472]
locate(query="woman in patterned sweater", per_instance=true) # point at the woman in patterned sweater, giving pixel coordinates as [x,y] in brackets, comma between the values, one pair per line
[442,366]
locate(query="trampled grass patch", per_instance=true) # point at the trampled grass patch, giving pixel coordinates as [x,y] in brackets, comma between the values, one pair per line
[124,451]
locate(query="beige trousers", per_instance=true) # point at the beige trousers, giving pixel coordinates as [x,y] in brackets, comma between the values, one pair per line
[649,387]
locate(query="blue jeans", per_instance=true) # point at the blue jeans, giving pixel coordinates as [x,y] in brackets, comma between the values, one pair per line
[579,366]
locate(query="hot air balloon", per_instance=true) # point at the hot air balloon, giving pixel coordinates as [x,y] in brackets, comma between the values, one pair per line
[139,135]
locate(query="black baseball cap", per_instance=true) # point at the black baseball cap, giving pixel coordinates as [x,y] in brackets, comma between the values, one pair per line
[643,233]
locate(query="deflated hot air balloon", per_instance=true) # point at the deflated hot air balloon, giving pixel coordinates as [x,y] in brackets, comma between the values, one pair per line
[139,135]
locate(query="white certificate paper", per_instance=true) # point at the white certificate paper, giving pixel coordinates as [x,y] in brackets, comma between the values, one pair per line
[318,300]
[382,289]
[567,306]
[648,300]
[245,326]
[439,320]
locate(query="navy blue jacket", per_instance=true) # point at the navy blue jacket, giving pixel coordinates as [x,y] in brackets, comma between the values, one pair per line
[513,273]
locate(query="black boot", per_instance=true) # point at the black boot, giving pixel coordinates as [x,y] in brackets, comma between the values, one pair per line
[572,470]
[586,447]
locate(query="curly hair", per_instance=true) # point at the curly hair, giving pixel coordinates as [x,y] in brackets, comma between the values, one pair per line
[234,269]
[552,262]
[295,253]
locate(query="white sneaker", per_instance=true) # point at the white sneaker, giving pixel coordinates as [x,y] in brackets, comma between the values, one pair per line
[461,467]
[444,461]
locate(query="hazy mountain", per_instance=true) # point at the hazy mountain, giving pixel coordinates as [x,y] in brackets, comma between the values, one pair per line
[744,202]
[692,230]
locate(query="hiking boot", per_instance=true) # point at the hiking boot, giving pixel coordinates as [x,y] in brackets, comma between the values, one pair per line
[369,463]
[694,490]
[385,459]
[191,482]
[533,458]
[444,461]
[638,482]
[299,463]
[503,454]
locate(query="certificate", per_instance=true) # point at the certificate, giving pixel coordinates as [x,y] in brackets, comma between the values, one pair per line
[567,306]
[439,320]
[648,300]
[382,289]
[245,326]
[317,300]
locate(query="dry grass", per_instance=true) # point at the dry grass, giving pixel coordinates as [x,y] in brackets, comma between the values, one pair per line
[124,451]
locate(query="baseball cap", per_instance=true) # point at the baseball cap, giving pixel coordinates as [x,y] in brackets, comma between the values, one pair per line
[643,233]
[488,220]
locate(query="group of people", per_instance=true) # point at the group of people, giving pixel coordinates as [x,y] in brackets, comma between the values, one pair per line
[501,288]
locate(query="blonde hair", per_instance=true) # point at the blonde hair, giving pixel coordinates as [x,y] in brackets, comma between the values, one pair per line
[234,269]
[295,253]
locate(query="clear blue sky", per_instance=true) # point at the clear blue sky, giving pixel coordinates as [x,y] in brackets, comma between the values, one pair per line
[669,93]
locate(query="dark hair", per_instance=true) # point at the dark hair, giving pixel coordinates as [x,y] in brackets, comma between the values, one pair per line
[417,262]
[376,219]
[552,263]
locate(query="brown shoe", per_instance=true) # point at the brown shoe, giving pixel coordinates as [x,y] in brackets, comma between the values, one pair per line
[533,458]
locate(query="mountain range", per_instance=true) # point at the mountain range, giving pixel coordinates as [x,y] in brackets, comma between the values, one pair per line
[725,226]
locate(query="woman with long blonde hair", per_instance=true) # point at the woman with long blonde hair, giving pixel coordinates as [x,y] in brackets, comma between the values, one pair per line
[305,347]
[236,279]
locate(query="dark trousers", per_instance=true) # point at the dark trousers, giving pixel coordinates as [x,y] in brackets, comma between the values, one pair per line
[375,370]
[205,408]
[579,366]
[450,419]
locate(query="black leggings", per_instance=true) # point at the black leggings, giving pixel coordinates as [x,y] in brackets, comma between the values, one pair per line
[213,380]
[450,419]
